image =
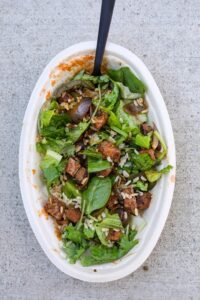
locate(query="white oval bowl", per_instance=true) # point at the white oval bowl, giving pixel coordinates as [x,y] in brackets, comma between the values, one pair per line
[34,193]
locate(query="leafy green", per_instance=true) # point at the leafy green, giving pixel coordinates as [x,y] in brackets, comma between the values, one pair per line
[111,221]
[142,161]
[73,234]
[143,140]
[101,235]
[120,131]
[109,99]
[61,146]
[113,120]
[126,76]
[140,185]
[154,175]
[99,254]
[128,122]
[97,193]
[56,126]
[70,190]
[164,147]
[91,153]
[95,79]
[126,93]
[97,165]
[45,117]
[73,251]
[73,134]
[88,233]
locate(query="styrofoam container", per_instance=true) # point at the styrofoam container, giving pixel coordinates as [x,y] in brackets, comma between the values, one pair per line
[33,191]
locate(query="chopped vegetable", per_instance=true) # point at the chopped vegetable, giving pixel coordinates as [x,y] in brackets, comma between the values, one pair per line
[100,158]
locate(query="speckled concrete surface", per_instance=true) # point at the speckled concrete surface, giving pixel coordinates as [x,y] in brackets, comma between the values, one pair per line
[166,35]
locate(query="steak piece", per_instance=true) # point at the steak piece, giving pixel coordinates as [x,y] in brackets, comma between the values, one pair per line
[105,173]
[73,214]
[82,176]
[114,235]
[129,200]
[113,203]
[144,200]
[100,119]
[73,166]
[108,149]
[55,208]
[145,128]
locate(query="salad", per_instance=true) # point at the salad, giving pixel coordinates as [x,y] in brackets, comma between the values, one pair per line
[100,159]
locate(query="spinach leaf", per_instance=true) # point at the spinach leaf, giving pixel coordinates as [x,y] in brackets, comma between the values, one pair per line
[142,161]
[97,165]
[126,76]
[126,93]
[97,193]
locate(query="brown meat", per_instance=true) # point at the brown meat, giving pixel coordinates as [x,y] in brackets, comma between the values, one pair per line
[100,120]
[105,173]
[146,128]
[114,235]
[150,152]
[73,166]
[113,203]
[65,97]
[73,214]
[129,200]
[82,176]
[55,208]
[108,149]
[144,200]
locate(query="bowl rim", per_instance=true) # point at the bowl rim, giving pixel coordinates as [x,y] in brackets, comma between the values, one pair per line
[119,51]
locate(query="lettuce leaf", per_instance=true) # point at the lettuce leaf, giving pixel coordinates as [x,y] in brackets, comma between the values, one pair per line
[126,76]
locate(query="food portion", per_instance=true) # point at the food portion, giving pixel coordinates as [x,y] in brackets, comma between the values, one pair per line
[100,159]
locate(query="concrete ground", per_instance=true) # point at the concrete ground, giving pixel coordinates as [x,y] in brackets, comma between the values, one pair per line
[166,35]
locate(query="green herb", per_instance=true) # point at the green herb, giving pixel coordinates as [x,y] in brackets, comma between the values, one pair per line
[97,193]
[73,251]
[100,254]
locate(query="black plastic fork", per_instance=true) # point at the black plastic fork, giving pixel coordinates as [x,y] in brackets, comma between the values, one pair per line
[104,25]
